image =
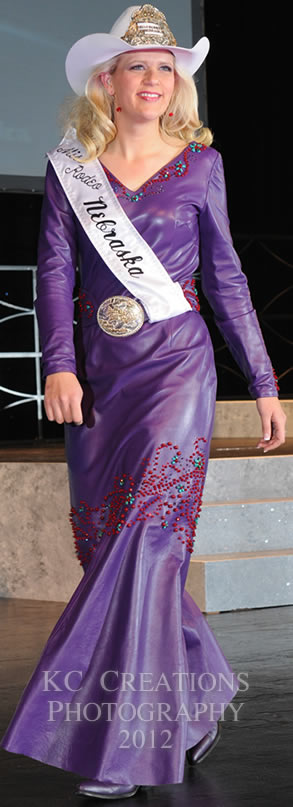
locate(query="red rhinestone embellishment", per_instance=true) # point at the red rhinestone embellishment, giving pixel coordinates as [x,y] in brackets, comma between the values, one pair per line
[168,481]
[85,306]
[156,183]
[191,293]
[276,379]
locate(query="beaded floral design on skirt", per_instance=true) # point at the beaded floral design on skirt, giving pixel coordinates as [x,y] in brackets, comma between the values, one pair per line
[170,488]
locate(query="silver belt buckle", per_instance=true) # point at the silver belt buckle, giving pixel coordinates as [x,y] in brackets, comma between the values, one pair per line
[120,316]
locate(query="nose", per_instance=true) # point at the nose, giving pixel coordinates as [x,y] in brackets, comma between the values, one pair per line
[151,76]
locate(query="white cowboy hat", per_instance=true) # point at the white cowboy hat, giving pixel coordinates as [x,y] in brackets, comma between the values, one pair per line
[138,27]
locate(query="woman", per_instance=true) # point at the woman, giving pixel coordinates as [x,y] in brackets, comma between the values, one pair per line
[123,687]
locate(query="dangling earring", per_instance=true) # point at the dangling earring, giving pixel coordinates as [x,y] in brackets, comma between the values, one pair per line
[170,114]
[118,108]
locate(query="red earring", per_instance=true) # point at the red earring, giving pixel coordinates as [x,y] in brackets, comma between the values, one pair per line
[118,108]
[170,114]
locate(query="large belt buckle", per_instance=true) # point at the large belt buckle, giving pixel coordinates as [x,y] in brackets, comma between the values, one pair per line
[120,316]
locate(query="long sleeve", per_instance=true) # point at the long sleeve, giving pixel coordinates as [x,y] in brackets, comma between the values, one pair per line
[225,286]
[57,258]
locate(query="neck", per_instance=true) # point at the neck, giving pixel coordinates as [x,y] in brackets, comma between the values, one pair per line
[135,140]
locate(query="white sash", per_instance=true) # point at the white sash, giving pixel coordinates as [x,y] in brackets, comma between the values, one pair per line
[112,233]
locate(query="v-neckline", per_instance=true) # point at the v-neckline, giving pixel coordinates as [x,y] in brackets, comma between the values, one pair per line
[159,170]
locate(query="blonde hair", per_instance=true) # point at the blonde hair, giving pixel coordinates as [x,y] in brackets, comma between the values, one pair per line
[92,114]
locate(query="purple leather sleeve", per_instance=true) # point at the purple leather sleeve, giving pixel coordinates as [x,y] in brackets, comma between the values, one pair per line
[225,286]
[57,258]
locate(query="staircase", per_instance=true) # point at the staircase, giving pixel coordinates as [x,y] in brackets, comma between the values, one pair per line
[243,551]
[243,556]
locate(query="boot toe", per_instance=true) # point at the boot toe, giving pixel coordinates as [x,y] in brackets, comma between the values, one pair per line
[199,751]
[91,787]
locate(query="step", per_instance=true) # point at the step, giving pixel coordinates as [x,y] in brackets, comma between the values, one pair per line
[229,581]
[241,418]
[244,527]
[37,537]
[244,478]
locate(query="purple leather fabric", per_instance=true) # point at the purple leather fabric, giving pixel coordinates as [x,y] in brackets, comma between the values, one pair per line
[137,467]
[184,223]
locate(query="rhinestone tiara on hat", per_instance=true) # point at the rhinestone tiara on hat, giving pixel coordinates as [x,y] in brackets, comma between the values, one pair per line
[149,26]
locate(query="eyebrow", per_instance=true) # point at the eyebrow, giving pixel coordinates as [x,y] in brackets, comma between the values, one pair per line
[162,61]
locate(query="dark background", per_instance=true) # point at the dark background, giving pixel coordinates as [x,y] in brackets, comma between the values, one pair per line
[248,83]
[249,110]
[247,101]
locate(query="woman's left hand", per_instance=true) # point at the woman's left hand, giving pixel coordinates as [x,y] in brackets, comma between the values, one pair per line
[273,421]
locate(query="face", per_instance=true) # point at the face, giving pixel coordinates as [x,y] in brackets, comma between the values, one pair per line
[142,83]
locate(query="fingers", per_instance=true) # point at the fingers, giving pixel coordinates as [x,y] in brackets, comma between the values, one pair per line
[70,409]
[53,410]
[276,437]
[66,410]
[270,444]
[266,427]
[76,413]
[63,401]
[57,410]
[273,421]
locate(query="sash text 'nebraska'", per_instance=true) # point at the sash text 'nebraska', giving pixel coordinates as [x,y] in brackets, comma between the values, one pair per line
[95,210]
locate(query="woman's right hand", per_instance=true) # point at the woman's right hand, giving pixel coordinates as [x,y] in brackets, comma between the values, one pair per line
[63,396]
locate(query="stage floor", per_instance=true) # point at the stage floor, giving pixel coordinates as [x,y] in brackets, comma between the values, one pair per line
[252,763]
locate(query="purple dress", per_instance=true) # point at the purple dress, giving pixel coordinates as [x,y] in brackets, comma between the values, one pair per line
[135,675]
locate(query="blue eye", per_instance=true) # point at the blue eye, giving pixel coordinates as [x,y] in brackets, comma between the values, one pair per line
[163,66]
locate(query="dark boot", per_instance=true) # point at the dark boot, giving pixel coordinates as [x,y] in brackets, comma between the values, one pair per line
[91,787]
[199,751]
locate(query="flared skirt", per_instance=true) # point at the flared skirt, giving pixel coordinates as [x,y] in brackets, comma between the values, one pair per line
[132,675]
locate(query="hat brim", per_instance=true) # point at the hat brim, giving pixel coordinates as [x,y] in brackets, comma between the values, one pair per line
[93,49]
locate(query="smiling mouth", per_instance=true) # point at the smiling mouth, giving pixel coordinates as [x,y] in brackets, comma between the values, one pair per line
[149,96]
